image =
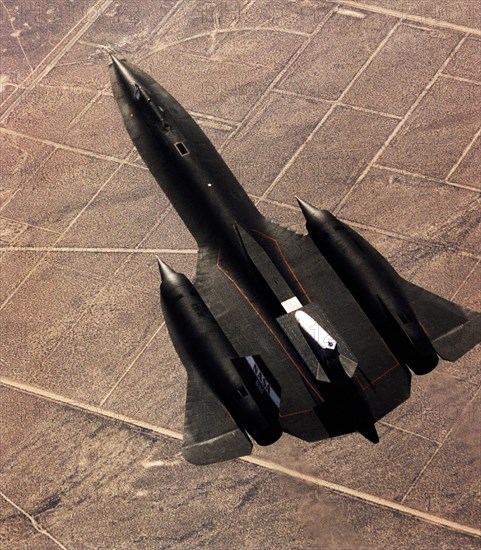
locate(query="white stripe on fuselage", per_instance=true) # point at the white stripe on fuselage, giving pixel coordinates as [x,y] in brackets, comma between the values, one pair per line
[291,304]
[315,331]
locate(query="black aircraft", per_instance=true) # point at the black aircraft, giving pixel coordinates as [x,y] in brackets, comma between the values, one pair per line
[314,335]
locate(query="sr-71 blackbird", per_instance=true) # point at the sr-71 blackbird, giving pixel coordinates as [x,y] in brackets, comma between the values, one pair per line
[314,335]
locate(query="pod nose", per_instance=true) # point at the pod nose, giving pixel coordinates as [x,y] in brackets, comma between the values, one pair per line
[164,269]
[312,213]
[307,209]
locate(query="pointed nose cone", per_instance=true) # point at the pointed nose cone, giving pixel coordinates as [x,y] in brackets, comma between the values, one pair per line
[165,270]
[114,59]
[119,66]
[312,213]
[308,210]
[123,73]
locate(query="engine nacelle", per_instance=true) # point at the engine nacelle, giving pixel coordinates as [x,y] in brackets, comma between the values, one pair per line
[243,385]
[375,285]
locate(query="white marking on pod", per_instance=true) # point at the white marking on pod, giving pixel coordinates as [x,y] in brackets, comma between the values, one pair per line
[312,327]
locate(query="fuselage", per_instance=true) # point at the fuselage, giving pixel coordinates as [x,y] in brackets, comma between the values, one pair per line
[195,178]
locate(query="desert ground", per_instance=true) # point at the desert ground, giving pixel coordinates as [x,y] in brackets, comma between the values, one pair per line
[368,108]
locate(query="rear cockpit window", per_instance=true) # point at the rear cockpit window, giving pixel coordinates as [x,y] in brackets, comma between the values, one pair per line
[182,149]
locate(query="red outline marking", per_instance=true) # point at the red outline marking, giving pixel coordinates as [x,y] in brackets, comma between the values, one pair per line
[423,327]
[385,373]
[303,290]
[308,298]
[304,411]
[298,368]
[363,387]
[372,382]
